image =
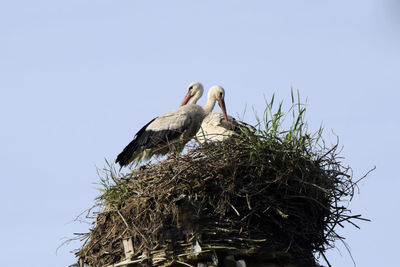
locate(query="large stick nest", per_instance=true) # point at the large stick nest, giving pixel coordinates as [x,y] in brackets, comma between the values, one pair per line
[248,196]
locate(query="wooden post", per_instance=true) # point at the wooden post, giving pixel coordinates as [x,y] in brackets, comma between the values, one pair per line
[128,248]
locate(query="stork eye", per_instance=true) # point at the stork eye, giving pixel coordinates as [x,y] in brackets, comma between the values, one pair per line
[220,95]
[190,88]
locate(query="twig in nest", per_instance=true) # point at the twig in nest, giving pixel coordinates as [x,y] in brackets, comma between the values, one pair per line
[237,212]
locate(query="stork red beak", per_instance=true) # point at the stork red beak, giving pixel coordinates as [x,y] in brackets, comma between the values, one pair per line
[221,104]
[186,99]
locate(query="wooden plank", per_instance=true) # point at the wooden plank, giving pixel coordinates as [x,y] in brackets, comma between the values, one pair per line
[240,263]
[128,248]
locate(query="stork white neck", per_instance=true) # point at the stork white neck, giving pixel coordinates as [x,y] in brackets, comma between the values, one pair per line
[210,104]
[216,93]
[196,96]
[195,91]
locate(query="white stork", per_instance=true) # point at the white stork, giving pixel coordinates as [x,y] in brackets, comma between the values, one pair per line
[214,127]
[171,130]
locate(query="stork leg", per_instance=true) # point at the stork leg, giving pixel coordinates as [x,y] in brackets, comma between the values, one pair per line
[172,154]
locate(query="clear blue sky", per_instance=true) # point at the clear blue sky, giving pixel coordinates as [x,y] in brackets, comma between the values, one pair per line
[79,78]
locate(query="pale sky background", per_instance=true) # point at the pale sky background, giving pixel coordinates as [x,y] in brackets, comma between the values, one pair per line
[79,78]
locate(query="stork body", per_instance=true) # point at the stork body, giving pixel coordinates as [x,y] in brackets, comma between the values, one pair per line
[171,130]
[214,126]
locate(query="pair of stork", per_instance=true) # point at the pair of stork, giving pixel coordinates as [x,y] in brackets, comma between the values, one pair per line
[172,130]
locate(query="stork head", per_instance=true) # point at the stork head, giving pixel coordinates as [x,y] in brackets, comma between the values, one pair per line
[194,92]
[218,93]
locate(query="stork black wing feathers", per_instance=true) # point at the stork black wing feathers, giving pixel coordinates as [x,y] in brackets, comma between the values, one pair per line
[145,139]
